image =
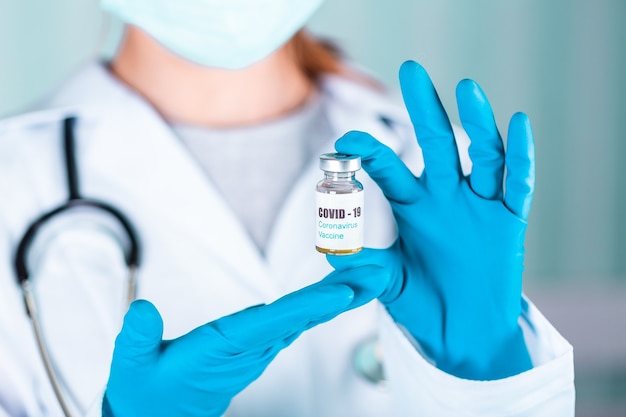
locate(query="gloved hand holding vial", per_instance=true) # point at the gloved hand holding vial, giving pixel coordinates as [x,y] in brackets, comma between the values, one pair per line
[456,267]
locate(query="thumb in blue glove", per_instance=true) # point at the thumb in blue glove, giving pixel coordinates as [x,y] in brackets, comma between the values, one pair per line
[199,373]
[456,267]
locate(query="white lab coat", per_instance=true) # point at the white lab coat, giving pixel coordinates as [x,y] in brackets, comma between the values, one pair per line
[199,264]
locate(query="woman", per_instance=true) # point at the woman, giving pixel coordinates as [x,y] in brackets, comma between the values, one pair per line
[205,130]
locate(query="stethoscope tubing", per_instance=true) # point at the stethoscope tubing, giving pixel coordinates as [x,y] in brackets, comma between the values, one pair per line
[132,255]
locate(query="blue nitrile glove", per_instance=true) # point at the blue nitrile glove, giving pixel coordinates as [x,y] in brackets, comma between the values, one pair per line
[457,263]
[199,373]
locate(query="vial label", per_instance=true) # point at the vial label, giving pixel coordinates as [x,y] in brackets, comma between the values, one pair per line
[339,222]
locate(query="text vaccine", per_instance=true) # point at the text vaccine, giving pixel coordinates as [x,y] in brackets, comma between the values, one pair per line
[339,214]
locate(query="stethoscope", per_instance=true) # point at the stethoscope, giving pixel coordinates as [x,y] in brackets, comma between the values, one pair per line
[132,253]
[366,359]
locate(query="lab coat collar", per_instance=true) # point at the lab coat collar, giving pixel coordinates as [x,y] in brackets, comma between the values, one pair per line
[350,104]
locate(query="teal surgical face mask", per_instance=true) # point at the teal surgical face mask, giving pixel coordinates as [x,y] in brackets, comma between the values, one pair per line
[230,34]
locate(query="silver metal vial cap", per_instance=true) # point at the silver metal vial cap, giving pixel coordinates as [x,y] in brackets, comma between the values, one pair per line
[339,162]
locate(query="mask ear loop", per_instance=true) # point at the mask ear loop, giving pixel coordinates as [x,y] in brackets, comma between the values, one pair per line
[131,255]
[110,33]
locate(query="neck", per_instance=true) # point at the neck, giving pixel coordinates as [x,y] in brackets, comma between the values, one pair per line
[183,92]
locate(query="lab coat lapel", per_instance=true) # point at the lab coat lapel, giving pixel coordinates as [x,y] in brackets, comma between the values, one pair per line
[291,252]
[142,156]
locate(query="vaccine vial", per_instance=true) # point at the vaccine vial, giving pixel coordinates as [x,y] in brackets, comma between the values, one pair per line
[339,214]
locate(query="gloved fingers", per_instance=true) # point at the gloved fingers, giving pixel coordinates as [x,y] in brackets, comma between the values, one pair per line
[139,340]
[371,273]
[520,164]
[382,164]
[363,294]
[367,256]
[232,372]
[486,149]
[265,325]
[432,126]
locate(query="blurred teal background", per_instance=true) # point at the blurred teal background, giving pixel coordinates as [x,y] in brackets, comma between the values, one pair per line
[561,61]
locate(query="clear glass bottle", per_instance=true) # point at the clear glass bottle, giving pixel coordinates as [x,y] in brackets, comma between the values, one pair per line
[339,211]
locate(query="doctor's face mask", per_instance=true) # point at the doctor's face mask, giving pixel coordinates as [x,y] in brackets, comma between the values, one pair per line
[230,34]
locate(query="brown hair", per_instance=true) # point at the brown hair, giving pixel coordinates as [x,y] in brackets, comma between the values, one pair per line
[317,57]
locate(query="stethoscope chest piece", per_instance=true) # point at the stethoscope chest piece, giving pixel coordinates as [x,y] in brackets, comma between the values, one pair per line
[368,362]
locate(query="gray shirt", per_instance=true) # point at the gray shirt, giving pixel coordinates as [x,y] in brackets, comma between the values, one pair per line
[254,167]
